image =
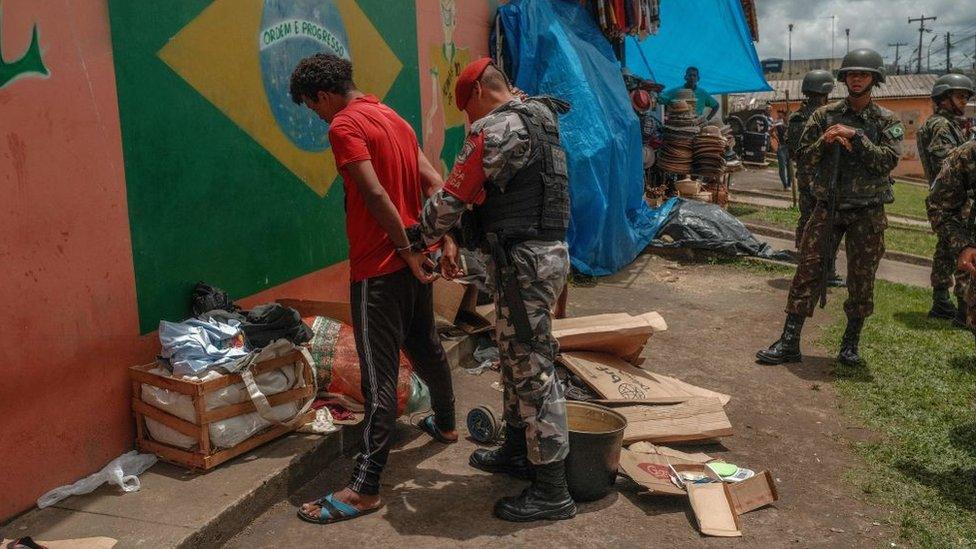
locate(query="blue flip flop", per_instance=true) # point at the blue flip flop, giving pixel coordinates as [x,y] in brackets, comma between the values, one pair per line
[428,426]
[332,510]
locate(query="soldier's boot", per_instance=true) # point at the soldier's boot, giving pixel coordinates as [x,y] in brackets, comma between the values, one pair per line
[848,355]
[787,348]
[511,458]
[942,306]
[960,320]
[547,498]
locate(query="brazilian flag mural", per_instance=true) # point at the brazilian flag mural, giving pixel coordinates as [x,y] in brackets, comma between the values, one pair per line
[227,180]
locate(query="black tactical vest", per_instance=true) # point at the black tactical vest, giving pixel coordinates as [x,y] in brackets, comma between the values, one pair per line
[535,203]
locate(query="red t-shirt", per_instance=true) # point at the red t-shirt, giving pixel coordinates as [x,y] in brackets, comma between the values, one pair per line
[369,130]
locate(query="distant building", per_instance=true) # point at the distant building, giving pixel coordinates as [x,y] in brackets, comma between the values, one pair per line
[779,69]
[908,95]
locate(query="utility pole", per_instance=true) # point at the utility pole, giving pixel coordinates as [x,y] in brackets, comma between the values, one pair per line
[921,30]
[928,54]
[948,49]
[897,55]
[789,63]
[848,33]
[833,21]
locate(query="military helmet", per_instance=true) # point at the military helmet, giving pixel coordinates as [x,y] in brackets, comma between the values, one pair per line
[864,59]
[951,82]
[817,81]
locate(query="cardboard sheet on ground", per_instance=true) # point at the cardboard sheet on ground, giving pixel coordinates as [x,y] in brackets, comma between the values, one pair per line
[617,380]
[695,419]
[710,503]
[618,334]
[644,447]
[652,471]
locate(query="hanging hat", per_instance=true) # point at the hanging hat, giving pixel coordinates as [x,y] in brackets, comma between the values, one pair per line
[465,82]
[641,100]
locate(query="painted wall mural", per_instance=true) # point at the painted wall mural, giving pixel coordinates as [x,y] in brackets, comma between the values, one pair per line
[28,64]
[178,156]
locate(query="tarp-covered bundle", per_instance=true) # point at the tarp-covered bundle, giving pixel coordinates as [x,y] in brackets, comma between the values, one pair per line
[704,226]
[554,47]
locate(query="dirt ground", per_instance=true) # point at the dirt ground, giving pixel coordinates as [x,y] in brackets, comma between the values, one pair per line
[786,420]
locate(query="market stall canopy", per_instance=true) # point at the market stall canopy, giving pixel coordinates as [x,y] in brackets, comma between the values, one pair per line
[712,35]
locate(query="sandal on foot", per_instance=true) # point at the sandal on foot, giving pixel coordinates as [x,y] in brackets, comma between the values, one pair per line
[428,426]
[332,510]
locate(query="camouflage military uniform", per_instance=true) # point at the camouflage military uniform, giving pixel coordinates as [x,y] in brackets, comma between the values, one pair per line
[794,131]
[946,205]
[936,138]
[863,178]
[533,396]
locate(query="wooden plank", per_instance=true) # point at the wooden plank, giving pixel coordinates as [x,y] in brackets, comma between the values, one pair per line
[140,424]
[203,433]
[164,382]
[246,407]
[227,380]
[176,456]
[337,310]
[217,458]
[698,419]
[171,421]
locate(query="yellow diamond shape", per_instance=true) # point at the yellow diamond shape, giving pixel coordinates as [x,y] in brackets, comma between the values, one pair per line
[218,55]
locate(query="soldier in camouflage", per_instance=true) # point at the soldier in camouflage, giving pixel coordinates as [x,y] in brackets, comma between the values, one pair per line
[947,202]
[509,183]
[816,86]
[859,142]
[942,132]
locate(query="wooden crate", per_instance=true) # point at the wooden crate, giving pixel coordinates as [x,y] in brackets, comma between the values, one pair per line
[203,456]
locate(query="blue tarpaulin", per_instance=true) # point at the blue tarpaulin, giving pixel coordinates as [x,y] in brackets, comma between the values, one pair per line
[709,34]
[557,49]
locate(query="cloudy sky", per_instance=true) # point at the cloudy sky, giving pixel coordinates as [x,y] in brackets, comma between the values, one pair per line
[873,24]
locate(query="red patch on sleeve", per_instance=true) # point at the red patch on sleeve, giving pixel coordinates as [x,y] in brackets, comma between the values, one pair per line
[467,179]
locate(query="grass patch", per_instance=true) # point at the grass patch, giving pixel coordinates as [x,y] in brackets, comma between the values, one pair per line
[899,238]
[909,201]
[917,392]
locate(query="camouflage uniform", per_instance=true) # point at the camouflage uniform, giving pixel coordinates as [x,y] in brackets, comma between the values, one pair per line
[863,178]
[936,138]
[794,131]
[946,204]
[533,396]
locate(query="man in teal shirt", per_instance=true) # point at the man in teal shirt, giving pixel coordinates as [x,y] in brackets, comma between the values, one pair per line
[702,98]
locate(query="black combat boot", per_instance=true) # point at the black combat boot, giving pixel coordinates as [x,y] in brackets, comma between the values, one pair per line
[547,498]
[511,458]
[960,320]
[941,305]
[848,355]
[787,347]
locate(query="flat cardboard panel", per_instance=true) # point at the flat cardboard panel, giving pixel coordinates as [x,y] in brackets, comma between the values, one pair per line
[617,380]
[712,509]
[696,419]
[645,447]
[617,334]
[448,296]
[753,493]
[652,471]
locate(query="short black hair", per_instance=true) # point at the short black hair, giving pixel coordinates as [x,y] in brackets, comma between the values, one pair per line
[689,69]
[494,79]
[321,72]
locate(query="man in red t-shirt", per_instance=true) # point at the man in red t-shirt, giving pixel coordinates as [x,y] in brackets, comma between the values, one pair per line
[384,175]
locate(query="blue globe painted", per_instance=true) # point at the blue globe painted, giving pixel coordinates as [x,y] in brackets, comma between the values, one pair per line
[290,31]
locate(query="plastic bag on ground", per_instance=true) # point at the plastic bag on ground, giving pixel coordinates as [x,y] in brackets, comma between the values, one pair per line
[419,395]
[123,471]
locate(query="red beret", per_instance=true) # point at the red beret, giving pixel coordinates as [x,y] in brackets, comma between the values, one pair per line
[466,80]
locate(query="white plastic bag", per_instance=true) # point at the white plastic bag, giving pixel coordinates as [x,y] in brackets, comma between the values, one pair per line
[123,471]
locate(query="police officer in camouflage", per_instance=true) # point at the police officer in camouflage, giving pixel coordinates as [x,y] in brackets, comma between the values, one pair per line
[850,146]
[947,202]
[510,184]
[816,87]
[942,132]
